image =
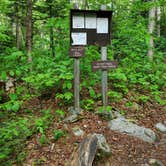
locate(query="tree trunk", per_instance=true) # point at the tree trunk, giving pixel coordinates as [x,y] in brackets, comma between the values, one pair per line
[51,31]
[29,30]
[151,27]
[85,4]
[158,11]
[17,26]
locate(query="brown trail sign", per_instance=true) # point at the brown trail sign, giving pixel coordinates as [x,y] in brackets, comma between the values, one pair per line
[76,51]
[104,65]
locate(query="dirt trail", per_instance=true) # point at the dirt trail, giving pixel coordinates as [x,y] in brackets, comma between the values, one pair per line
[126,150]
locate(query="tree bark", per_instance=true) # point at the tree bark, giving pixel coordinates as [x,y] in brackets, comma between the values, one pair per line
[17,26]
[51,31]
[85,4]
[29,30]
[158,12]
[151,28]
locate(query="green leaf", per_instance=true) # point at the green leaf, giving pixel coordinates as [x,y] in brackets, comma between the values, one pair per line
[13,96]
[11,73]
[16,106]
[68,95]
[3,75]
[58,134]
[43,139]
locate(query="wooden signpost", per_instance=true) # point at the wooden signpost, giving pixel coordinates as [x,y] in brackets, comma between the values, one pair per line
[90,27]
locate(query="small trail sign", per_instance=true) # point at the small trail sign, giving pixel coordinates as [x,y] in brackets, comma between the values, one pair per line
[77,51]
[104,65]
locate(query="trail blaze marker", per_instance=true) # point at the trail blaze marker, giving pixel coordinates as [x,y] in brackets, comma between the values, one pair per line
[90,27]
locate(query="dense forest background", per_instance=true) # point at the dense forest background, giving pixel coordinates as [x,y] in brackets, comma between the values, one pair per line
[35,65]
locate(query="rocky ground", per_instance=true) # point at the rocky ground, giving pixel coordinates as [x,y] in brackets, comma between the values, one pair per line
[125,150]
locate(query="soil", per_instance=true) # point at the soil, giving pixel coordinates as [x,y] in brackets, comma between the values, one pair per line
[126,150]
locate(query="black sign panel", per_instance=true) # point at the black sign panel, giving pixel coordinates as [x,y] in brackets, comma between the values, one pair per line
[76,51]
[90,27]
[104,65]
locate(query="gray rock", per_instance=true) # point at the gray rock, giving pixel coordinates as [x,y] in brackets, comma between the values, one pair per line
[77,131]
[85,153]
[118,115]
[87,149]
[72,111]
[74,115]
[161,127]
[71,118]
[155,162]
[103,145]
[124,126]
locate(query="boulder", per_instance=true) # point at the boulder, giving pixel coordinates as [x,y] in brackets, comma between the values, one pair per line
[85,153]
[123,125]
[74,115]
[102,144]
[87,149]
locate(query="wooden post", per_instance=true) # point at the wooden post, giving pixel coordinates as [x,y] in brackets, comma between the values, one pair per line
[104,78]
[104,72]
[76,84]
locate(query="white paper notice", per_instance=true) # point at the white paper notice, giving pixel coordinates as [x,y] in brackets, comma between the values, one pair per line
[78,22]
[102,25]
[79,38]
[90,22]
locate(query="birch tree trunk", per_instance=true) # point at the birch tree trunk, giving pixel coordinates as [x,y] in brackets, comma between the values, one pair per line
[51,30]
[17,25]
[151,28]
[85,4]
[29,30]
[158,12]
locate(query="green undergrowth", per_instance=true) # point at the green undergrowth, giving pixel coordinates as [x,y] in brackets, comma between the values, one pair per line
[16,132]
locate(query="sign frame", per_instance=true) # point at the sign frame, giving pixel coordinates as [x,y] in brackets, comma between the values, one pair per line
[93,38]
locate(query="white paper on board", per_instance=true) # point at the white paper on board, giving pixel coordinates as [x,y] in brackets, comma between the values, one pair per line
[78,21]
[79,38]
[90,22]
[102,25]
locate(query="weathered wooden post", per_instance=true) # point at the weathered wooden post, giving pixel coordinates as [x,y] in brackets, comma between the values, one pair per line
[76,84]
[104,73]
[76,52]
[104,78]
